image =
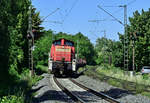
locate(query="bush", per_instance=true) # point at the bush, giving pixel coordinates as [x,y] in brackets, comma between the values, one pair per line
[42,62]
[42,68]
[13,72]
[12,99]
[25,77]
[145,76]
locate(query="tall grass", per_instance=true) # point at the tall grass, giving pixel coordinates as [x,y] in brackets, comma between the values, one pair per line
[18,91]
[118,73]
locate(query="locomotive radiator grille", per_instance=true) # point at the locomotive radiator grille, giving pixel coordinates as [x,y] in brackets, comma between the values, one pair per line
[62,53]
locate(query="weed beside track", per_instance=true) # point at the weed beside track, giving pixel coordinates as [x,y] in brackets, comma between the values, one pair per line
[133,87]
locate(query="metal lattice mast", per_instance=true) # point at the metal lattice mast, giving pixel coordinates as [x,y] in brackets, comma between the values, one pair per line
[30,37]
[126,52]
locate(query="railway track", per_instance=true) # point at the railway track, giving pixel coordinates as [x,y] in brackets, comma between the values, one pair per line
[73,97]
[99,94]
[80,97]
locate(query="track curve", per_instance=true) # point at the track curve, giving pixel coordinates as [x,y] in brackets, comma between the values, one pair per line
[99,94]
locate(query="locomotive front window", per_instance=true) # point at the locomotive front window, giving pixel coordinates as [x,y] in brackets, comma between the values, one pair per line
[57,43]
[68,43]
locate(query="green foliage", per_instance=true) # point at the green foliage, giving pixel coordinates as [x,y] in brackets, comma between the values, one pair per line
[85,48]
[145,76]
[25,76]
[14,50]
[35,79]
[109,52]
[139,29]
[14,25]
[42,48]
[42,68]
[103,50]
[12,99]
[13,21]
[13,72]
[140,24]
[36,22]
[18,92]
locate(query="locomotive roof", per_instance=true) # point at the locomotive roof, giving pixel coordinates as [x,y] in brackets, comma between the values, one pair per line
[64,39]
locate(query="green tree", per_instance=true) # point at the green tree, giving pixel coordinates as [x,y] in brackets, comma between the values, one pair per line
[85,48]
[103,48]
[109,52]
[13,40]
[13,21]
[36,24]
[42,48]
[140,23]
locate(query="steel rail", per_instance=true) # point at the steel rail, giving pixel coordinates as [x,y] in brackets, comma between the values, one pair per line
[65,90]
[99,94]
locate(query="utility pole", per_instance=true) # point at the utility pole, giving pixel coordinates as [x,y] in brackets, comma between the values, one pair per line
[133,53]
[133,37]
[30,37]
[77,49]
[104,46]
[104,31]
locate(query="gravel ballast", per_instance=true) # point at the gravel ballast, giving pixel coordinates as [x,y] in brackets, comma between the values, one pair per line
[84,95]
[47,92]
[121,95]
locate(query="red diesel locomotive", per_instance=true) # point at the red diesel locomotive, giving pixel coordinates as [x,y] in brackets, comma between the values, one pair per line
[62,57]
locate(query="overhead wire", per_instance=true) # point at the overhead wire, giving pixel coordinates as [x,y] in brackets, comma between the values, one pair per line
[63,17]
[61,8]
[110,14]
[93,37]
[51,13]
[60,13]
[46,16]
[131,2]
[93,32]
[96,25]
[56,22]
[73,5]
[95,28]
[115,13]
[120,8]
[107,18]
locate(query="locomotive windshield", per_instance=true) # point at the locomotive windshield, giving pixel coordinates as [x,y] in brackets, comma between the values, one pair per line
[68,43]
[57,42]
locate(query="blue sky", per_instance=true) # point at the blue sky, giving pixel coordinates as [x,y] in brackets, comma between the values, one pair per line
[74,16]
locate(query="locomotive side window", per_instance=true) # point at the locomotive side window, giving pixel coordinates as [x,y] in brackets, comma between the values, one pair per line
[68,43]
[57,42]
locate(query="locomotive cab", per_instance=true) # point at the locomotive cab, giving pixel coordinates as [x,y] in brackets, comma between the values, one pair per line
[62,57]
